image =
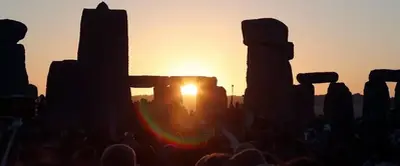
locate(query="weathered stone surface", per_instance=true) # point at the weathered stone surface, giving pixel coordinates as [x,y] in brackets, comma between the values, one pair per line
[338,108]
[386,75]
[269,74]
[317,77]
[12,70]
[11,31]
[376,102]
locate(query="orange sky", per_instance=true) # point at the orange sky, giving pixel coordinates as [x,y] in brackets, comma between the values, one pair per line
[181,37]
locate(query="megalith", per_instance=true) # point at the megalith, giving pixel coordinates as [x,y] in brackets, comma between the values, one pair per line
[269,73]
[303,105]
[385,75]
[14,78]
[338,109]
[397,97]
[63,94]
[376,103]
[103,55]
[376,106]
[395,116]
[317,77]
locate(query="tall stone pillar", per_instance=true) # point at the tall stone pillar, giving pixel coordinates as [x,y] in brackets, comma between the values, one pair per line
[395,120]
[204,98]
[397,97]
[160,93]
[221,98]
[63,94]
[14,78]
[103,53]
[269,73]
[175,93]
[338,109]
[376,105]
[376,102]
[303,105]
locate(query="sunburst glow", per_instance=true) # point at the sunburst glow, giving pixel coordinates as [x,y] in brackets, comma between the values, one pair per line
[189,89]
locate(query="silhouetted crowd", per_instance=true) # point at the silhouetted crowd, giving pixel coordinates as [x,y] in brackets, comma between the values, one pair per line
[318,145]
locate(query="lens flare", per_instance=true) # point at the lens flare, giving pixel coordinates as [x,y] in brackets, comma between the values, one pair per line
[186,141]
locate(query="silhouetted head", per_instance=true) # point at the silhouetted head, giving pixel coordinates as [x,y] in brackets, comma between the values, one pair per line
[118,155]
[248,157]
[202,161]
[214,159]
[168,151]
[48,153]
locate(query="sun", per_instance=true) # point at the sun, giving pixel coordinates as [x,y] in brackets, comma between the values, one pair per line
[189,89]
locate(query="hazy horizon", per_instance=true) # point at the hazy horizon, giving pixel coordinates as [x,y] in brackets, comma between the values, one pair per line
[204,37]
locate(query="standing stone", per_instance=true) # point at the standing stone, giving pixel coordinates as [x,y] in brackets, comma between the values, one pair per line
[376,102]
[175,93]
[160,93]
[63,92]
[14,78]
[32,91]
[269,74]
[219,101]
[221,104]
[338,109]
[212,103]
[103,53]
[304,95]
[222,98]
[376,106]
[204,91]
[397,96]
[395,117]
[204,106]
[303,105]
